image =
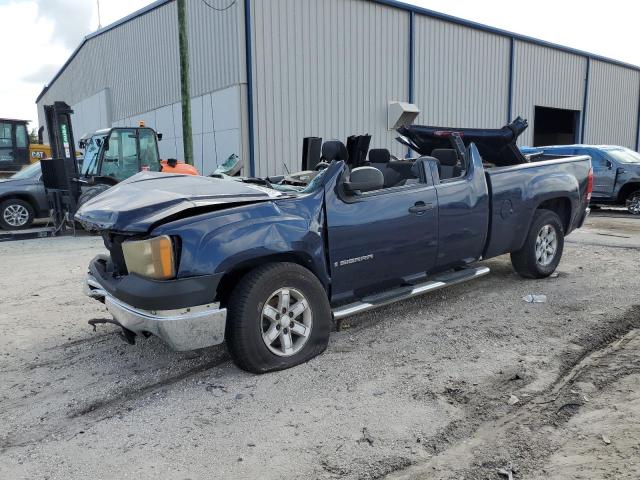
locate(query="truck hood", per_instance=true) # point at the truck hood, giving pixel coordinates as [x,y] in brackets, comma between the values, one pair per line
[150,198]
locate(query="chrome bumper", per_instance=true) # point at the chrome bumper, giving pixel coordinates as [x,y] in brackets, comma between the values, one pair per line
[183,329]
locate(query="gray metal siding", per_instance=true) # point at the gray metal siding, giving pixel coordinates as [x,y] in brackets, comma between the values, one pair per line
[138,60]
[324,68]
[612,108]
[548,78]
[461,75]
[216,45]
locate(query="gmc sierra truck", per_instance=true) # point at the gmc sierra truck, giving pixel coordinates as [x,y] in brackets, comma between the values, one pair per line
[269,264]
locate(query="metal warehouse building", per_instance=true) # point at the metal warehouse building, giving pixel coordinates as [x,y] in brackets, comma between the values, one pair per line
[266,73]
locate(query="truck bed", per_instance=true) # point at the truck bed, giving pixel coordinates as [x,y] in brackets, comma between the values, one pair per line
[515,191]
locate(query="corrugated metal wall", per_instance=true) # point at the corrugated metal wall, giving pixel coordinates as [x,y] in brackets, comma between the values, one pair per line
[138,60]
[612,108]
[461,75]
[548,78]
[216,45]
[324,68]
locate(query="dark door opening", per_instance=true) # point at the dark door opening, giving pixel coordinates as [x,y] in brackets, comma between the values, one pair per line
[555,126]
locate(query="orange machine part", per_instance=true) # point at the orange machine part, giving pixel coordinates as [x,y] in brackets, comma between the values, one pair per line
[178,167]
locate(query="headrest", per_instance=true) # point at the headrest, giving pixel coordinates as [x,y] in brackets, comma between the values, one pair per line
[379,155]
[334,150]
[446,156]
[365,179]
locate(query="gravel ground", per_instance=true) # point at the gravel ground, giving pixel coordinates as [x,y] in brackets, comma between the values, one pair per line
[455,384]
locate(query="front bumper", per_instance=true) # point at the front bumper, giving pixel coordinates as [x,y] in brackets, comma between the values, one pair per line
[182,329]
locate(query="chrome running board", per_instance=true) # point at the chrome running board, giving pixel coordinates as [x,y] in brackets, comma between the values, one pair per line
[402,293]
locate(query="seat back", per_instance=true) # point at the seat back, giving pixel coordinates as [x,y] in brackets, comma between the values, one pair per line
[449,163]
[334,150]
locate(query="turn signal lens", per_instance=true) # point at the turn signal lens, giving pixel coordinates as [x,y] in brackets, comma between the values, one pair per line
[152,258]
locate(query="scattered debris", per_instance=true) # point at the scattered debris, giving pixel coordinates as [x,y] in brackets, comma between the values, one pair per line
[378,393]
[554,275]
[513,400]
[606,439]
[507,471]
[535,298]
[365,437]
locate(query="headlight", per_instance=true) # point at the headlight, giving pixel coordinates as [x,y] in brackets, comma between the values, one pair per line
[151,258]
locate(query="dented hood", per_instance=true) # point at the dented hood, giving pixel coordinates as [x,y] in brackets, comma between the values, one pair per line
[149,198]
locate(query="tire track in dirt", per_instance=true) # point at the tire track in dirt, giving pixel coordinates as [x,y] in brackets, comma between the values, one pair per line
[492,440]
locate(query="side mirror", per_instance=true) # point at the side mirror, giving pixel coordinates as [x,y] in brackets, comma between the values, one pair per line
[609,164]
[159,136]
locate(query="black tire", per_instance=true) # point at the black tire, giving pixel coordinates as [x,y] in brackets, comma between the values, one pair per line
[92,192]
[246,321]
[16,214]
[526,261]
[633,203]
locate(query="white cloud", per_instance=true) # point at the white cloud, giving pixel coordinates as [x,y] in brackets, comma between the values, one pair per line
[71,19]
[42,35]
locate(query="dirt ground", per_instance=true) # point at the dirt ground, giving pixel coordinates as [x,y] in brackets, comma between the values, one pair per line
[463,383]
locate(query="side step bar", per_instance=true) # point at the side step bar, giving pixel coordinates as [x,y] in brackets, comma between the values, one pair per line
[402,293]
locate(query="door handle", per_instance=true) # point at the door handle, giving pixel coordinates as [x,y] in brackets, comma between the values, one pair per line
[420,207]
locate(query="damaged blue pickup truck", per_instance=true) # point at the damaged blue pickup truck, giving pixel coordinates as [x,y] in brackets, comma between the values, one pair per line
[268,264]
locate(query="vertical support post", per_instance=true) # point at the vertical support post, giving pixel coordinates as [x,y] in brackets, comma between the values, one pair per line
[585,100]
[249,60]
[511,70]
[412,17]
[638,126]
[183,42]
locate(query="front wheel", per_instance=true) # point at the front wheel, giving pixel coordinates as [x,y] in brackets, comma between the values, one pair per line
[542,250]
[633,203]
[278,317]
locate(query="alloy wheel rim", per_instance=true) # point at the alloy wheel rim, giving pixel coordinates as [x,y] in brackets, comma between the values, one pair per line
[633,205]
[546,245]
[16,215]
[286,322]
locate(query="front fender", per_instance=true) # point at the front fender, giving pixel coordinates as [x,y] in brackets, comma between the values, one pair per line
[219,242]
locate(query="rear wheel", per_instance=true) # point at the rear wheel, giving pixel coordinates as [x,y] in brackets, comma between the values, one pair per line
[633,203]
[16,214]
[278,317]
[542,250]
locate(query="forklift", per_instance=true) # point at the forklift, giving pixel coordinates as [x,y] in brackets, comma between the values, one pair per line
[111,155]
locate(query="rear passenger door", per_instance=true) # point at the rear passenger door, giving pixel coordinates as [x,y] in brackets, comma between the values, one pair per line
[381,239]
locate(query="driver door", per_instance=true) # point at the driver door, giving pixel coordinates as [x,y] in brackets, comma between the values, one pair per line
[381,239]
